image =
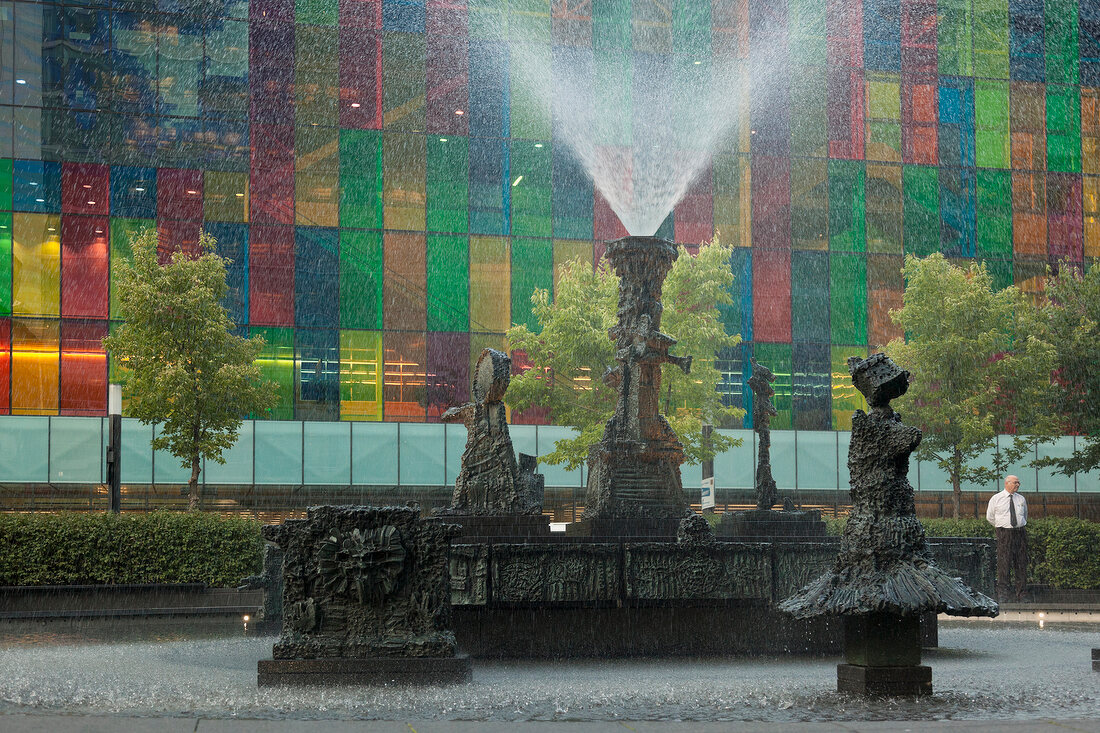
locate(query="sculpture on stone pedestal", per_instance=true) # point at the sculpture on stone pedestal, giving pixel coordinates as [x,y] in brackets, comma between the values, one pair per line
[491,482]
[634,471]
[762,412]
[884,578]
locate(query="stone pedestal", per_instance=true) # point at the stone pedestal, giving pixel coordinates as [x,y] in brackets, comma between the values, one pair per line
[882,655]
[365,671]
[762,524]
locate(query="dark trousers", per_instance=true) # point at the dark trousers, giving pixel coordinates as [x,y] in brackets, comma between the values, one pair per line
[1011,560]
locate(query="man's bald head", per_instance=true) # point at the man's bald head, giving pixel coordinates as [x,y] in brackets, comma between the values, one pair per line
[1011,484]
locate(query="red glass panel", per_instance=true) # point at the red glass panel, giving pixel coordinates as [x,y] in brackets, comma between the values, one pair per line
[84,265]
[1065,228]
[771,202]
[918,36]
[532,415]
[83,368]
[771,295]
[607,224]
[360,79]
[175,236]
[448,18]
[448,372]
[447,75]
[919,118]
[361,14]
[694,217]
[271,44]
[84,188]
[272,146]
[271,195]
[271,10]
[5,366]
[179,194]
[844,111]
[272,94]
[271,275]
[404,376]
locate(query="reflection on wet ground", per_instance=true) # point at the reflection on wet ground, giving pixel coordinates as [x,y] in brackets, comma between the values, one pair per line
[991,670]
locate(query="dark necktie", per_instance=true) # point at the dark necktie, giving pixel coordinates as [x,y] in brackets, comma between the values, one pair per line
[1011,510]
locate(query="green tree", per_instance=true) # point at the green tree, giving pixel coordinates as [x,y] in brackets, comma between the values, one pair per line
[978,368]
[182,364]
[1071,317]
[572,350]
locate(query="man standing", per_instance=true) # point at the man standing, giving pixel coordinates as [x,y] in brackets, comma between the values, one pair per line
[1007,512]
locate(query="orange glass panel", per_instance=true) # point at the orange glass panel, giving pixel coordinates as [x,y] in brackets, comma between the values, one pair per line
[34,366]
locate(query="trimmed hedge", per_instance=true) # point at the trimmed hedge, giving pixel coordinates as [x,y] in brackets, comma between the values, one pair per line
[72,548]
[1061,550]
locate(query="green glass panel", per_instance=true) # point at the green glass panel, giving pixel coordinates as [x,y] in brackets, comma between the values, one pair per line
[1060,39]
[955,37]
[884,209]
[809,297]
[317,12]
[848,299]
[529,21]
[276,362]
[5,184]
[994,214]
[360,279]
[532,267]
[1000,271]
[808,118]
[613,85]
[921,209]
[5,264]
[361,373]
[225,196]
[1063,129]
[448,266]
[991,39]
[403,81]
[123,231]
[529,115]
[530,169]
[883,141]
[777,358]
[448,187]
[847,205]
[611,24]
[992,140]
[361,179]
[488,19]
[807,33]
[691,32]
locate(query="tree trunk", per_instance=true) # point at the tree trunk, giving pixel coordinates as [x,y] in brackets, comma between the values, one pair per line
[956,484]
[193,484]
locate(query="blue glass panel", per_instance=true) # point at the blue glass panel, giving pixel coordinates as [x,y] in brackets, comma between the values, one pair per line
[1048,479]
[374,453]
[134,192]
[571,196]
[811,386]
[36,186]
[327,453]
[488,186]
[882,35]
[734,468]
[455,444]
[24,445]
[239,459]
[167,468]
[1089,44]
[956,129]
[488,89]
[817,460]
[137,452]
[957,204]
[232,241]
[316,277]
[226,145]
[421,451]
[524,439]
[317,364]
[1026,46]
[556,475]
[403,15]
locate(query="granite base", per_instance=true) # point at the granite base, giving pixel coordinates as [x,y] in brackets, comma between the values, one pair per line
[908,681]
[364,671]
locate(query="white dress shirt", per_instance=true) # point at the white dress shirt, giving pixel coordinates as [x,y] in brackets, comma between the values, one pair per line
[997,511]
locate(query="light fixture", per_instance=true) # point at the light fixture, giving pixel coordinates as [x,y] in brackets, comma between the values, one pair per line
[246,618]
[34,183]
[355,105]
[459,112]
[191,192]
[20,81]
[698,62]
[41,201]
[50,229]
[139,189]
[516,182]
[87,185]
[442,139]
[91,203]
[240,195]
[99,231]
[538,145]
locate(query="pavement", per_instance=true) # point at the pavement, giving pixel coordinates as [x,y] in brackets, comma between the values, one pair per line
[110,724]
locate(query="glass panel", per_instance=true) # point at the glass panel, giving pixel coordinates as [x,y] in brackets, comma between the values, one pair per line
[136,454]
[735,468]
[783,459]
[360,375]
[421,453]
[448,273]
[361,279]
[556,475]
[374,454]
[447,184]
[490,284]
[276,362]
[279,452]
[36,264]
[317,367]
[328,453]
[35,348]
[455,442]
[405,376]
[532,268]
[404,282]
[1048,479]
[167,469]
[239,458]
[985,459]
[23,449]
[817,460]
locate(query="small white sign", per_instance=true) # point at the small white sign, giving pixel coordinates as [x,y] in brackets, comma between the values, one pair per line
[707,501]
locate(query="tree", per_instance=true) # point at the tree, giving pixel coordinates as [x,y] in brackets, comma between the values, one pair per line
[977,368]
[183,365]
[1071,317]
[572,350]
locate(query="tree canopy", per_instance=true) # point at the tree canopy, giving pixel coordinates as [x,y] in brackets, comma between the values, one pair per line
[1071,317]
[183,366]
[978,366]
[572,349]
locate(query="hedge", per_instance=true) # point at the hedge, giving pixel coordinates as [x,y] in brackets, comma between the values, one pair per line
[1061,550]
[73,548]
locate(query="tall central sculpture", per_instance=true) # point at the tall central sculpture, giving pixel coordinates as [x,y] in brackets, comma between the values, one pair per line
[634,471]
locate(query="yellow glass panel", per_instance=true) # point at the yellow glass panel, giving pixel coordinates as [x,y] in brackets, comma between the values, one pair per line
[1092,216]
[846,398]
[36,264]
[317,199]
[361,375]
[404,186]
[569,250]
[490,285]
[884,99]
[35,346]
[225,196]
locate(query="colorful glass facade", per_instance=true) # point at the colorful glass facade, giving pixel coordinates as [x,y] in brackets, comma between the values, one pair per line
[390,195]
